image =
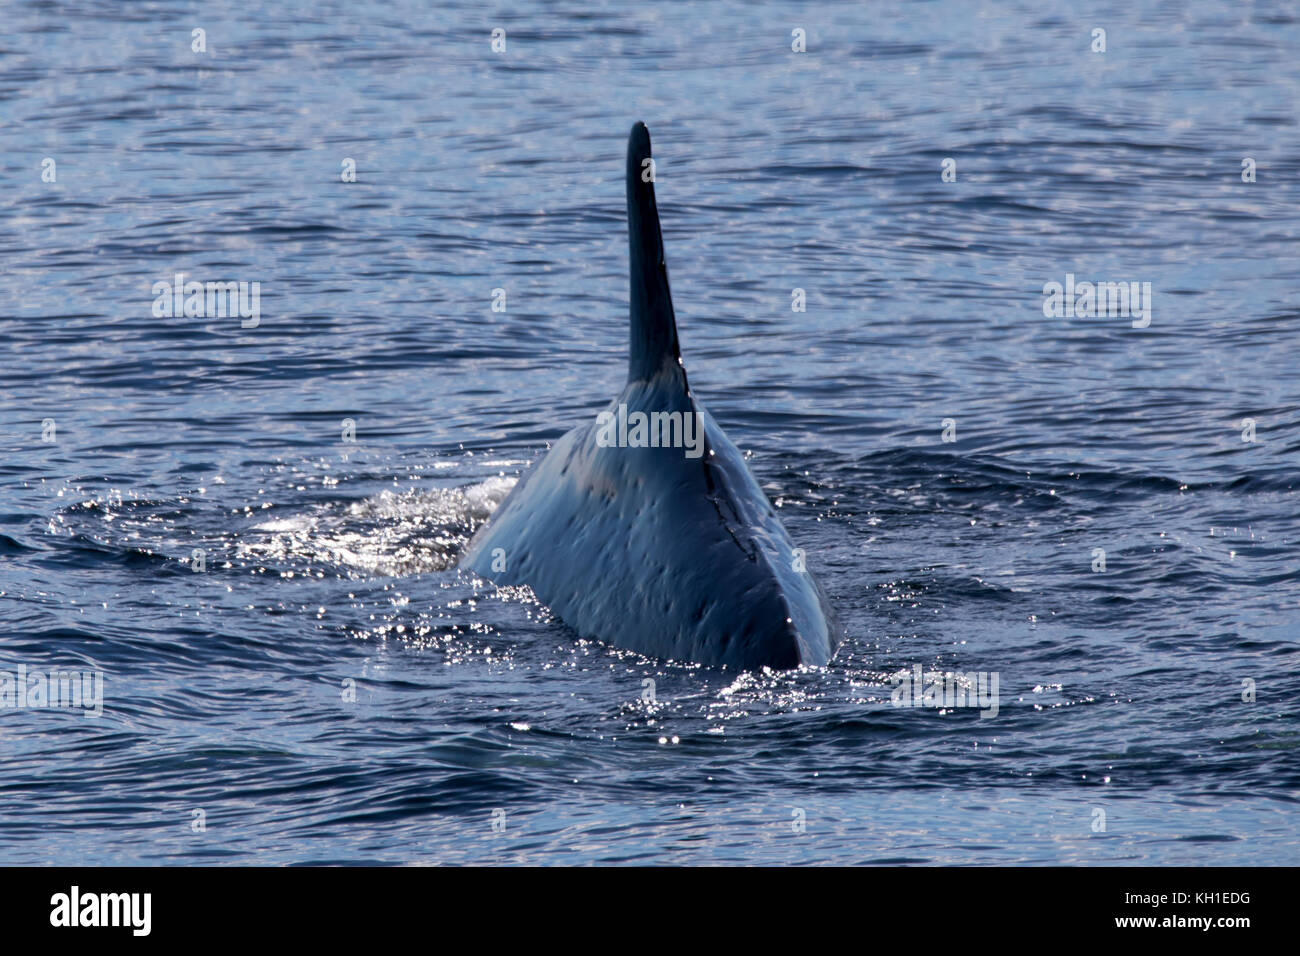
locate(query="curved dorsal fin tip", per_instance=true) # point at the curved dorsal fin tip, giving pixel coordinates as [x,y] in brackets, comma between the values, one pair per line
[640,129]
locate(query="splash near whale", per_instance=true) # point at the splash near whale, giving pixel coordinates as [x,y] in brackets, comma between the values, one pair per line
[645,528]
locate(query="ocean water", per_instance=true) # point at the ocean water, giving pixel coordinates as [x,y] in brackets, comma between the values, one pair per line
[321,685]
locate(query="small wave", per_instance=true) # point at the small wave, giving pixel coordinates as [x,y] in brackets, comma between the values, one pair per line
[389,534]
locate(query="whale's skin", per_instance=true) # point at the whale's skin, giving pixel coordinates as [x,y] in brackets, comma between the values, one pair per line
[646,548]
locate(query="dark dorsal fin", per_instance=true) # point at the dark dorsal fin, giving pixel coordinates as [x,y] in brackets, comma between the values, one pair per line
[654,327]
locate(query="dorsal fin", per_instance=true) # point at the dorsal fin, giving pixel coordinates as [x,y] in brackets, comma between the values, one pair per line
[654,327]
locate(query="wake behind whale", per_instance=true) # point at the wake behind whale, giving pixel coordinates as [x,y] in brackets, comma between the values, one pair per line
[645,528]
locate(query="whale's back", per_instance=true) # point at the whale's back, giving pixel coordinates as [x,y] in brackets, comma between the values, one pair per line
[648,549]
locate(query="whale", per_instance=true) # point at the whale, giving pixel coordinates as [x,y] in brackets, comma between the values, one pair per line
[645,529]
